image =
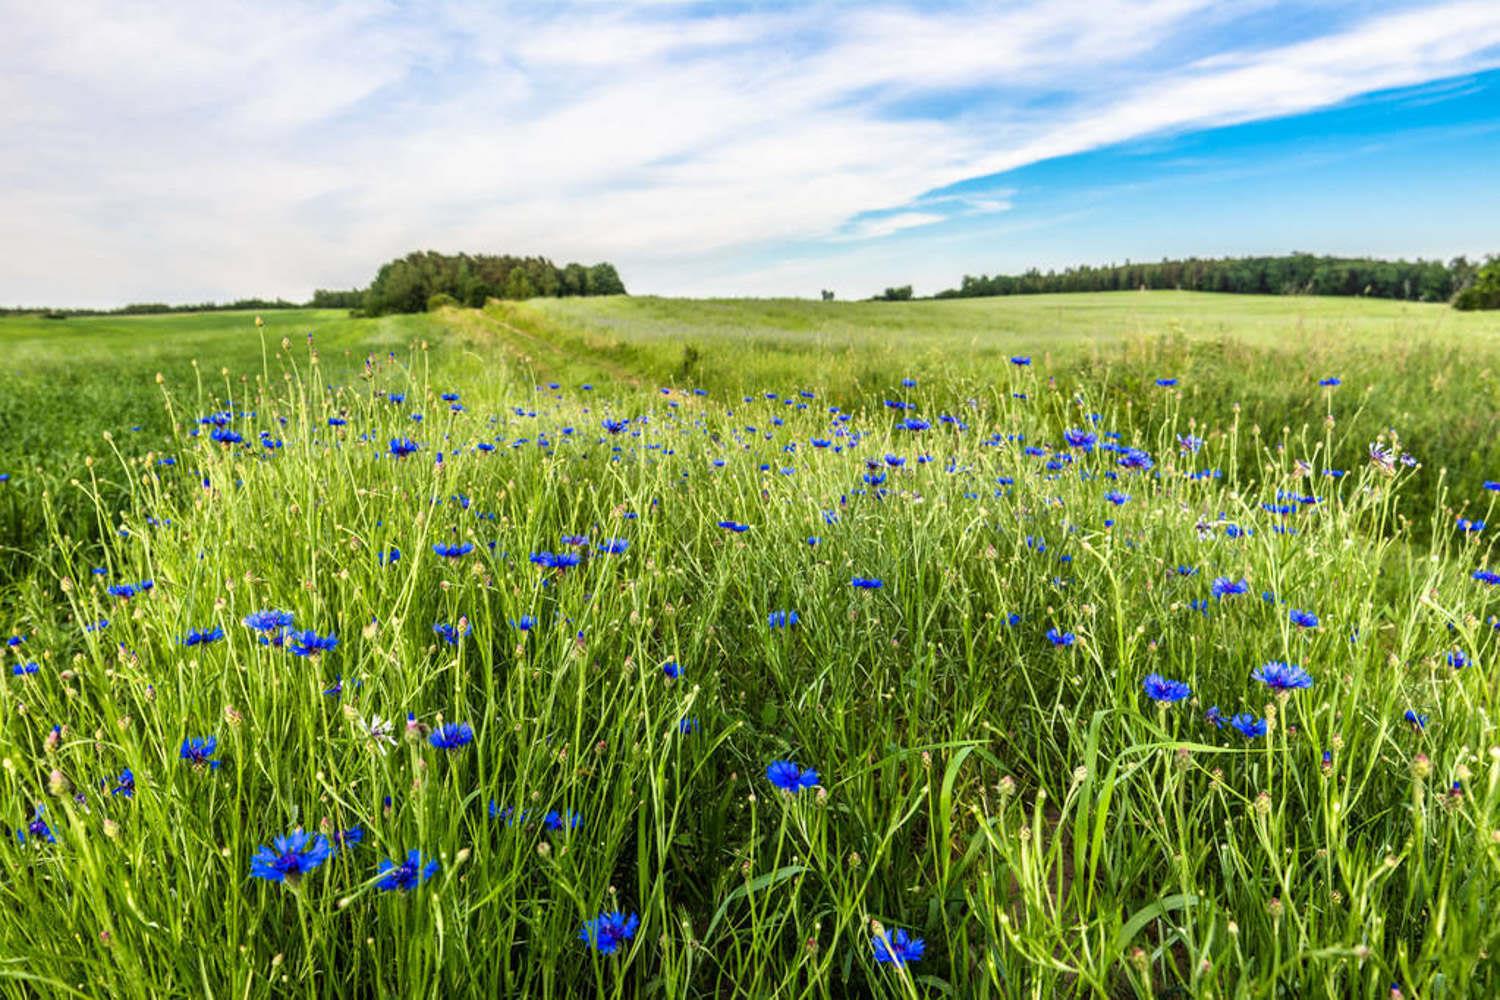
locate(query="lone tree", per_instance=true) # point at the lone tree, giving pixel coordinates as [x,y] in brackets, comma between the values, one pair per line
[1484,293]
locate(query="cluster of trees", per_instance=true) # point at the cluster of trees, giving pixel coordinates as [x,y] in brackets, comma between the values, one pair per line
[411,283]
[1484,291]
[1295,274]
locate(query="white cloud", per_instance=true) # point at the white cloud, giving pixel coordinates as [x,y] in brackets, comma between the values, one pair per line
[219,149]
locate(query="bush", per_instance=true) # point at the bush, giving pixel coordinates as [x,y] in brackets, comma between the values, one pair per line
[438,300]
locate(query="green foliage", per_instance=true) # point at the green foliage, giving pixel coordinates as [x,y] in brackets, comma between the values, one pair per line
[901,294]
[440,300]
[1296,274]
[407,284]
[1023,807]
[1484,293]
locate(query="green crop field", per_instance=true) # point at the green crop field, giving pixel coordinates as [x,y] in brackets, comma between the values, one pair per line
[1130,644]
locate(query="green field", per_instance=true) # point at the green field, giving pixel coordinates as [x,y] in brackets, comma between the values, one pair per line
[571,688]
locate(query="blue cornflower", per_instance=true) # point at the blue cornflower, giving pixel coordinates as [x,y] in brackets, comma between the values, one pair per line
[390,558]
[1458,659]
[1020,360]
[452,735]
[790,778]
[1281,676]
[559,821]
[1117,498]
[615,426]
[1060,638]
[525,623]
[38,828]
[268,621]
[1248,725]
[290,857]
[1469,527]
[1417,719]
[401,447]
[1084,440]
[671,669]
[1330,381]
[688,725]
[202,637]
[734,526]
[782,619]
[1304,619]
[1166,383]
[1159,688]
[24,669]
[448,551]
[345,839]
[407,875]
[899,948]
[867,582]
[310,643]
[450,633]
[613,546]
[608,931]
[1487,576]
[1135,458]
[124,591]
[199,751]
[1223,587]
[124,785]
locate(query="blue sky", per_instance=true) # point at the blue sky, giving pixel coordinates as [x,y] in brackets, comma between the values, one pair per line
[184,152]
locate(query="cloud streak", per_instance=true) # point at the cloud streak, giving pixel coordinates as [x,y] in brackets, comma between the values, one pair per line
[263,148]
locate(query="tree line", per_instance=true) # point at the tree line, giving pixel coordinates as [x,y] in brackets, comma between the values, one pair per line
[1294,274]
[413,283]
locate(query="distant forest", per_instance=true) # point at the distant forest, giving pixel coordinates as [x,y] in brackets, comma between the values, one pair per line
[414,283]
[1295,274]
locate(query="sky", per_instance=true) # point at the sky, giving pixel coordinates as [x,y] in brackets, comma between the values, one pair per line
[207,151]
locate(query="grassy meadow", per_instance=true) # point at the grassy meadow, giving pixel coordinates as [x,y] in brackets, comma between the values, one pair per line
[1101,645]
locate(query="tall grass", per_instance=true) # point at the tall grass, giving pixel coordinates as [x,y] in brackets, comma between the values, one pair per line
[1021,805]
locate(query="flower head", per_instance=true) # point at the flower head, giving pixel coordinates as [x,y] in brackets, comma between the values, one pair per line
[407,875]
[790,778]
[199,751]
[1279,676]
[452,735]
[290,857]
[608,931]
[1160,689]
[899,948]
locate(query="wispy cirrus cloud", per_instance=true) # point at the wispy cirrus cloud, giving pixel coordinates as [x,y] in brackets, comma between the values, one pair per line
[235,148]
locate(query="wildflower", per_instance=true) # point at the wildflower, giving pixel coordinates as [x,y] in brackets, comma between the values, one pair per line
[1469,527]
[1189,443]
[38,828]
[782,619]
[310,643]
[407,875]
[25,669]
[290,857]
[1248,725]
[452,735]
[1160,689]
[1303,619]
[455,551]
[558,821]
[1084,440]
[202,637]
[1281,676]
[1487,576]
[1214,717]
[451,634]
[1330,381]
[1223,587]
[613,546]
[199,751]
[344,839]
[124,785]
[1020,360]
[390,558]
[608,931]
[268,621]
[1134,458]
[734,526]
[1417,720]
[1166,383]
[867,582]
[1060,638]
[525,623]
[671,669]
[402,447]
[688,725]
[790,778]
[1117,498]
[899,948]
[379,732]
[1458,659]
[615,426]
